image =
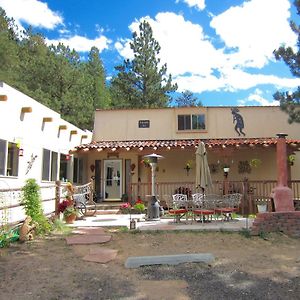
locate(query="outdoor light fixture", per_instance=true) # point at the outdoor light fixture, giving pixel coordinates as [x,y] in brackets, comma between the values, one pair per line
[153,207]
[226,171]
[21,151]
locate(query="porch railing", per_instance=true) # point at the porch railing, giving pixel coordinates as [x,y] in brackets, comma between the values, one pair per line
[12,210]
[251,190]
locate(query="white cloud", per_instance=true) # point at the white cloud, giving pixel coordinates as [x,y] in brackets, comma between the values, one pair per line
[256,98]
[123,47]
[199,4]
[32,12]
[81,43]
[255,29]
[232,80]
[183,45]
[250,33]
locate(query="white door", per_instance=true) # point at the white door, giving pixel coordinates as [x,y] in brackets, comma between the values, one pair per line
[112,179]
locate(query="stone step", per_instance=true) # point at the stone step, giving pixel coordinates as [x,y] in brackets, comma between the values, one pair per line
[108,205]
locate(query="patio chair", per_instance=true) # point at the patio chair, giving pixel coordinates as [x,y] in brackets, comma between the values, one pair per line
[229,204]
[203,206]
[178,206]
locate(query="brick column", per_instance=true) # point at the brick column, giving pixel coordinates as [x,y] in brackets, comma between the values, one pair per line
[282,194]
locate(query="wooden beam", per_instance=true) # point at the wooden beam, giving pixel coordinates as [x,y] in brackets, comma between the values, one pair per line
[73,132]
[3,98]
[47,119]
[62,127]
[26,110]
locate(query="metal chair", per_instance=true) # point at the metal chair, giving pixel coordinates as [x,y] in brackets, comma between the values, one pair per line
[202,206]
[178,207]
[229,204]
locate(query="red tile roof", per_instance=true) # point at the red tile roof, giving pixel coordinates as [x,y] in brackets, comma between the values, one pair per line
[159,144]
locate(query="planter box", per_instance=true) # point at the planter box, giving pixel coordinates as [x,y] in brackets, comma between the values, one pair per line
[261,208]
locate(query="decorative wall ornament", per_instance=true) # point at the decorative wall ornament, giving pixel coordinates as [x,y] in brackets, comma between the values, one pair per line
[255,162]
[244,167]
[30,163]
[238,120]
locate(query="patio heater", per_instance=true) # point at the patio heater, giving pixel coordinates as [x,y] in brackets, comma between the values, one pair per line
[153,206]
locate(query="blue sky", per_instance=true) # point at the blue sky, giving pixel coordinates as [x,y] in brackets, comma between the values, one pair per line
[221,50]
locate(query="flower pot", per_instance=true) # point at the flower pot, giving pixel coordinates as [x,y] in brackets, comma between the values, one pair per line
[261,208]
[70,219]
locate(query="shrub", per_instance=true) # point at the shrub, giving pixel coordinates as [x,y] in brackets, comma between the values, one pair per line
[140,207]
[31,199]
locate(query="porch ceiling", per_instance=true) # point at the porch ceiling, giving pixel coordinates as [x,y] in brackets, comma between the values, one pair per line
[183,143]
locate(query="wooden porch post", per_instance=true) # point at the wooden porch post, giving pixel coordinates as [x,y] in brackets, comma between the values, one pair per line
[57,196]
[282,194]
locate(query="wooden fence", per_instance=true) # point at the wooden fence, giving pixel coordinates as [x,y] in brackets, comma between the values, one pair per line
[12,210]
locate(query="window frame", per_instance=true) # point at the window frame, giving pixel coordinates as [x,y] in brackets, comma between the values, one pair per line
[50,166]
[10,159]
[78,165]
[186,122]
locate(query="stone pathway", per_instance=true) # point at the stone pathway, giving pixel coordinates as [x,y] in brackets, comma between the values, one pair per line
[92,237]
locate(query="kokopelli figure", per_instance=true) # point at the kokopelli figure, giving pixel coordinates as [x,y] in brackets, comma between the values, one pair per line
[238,120]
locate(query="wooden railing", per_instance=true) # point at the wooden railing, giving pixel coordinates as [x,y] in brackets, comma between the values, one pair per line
[12,210]
[251,190]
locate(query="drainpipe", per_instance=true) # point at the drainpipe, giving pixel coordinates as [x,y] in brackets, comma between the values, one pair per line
[282,194]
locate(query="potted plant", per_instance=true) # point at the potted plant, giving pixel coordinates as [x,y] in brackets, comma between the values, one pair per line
[139,206]
[255,162]
[67,208]
[262,205]
[291,159]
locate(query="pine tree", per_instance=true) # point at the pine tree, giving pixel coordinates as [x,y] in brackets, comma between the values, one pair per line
[290,101]
[96,72]
[187,98]
[141,82]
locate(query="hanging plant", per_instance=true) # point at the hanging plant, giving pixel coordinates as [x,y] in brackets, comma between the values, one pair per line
[291,159]
[255,162]
[188,166]
[146,162]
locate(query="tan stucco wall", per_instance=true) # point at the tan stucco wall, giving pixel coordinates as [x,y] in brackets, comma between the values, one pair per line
[123,124]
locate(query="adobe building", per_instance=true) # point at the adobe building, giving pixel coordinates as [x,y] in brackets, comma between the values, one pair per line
[241,138]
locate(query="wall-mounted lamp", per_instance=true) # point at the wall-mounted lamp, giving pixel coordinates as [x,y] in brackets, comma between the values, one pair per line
[21,151]
[226,171]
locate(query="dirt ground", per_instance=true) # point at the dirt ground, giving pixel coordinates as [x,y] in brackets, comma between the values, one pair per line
[244,268]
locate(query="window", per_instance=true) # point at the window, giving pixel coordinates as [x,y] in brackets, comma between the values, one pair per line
[78,170]
[49,171]
[144,123]
[63,167]
[191,122]
[198,122]
[184,122]
[9,158]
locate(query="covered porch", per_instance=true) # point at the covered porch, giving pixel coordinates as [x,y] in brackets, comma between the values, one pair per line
[252,191]
[120,171]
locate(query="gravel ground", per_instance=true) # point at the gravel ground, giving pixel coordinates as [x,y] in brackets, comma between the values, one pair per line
[245,268]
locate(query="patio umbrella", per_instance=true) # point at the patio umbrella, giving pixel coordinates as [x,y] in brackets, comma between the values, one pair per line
[203,178]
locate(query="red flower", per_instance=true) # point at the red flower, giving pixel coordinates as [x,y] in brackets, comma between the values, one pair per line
[64,204]
[139,201]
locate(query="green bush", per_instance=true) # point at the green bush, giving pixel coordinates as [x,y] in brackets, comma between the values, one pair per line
[31,199]
[140,207]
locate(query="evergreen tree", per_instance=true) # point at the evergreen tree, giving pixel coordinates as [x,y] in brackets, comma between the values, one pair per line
[96,72]
[187,98]
[53,75]
[9,59]
[141,82]
[290,101]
